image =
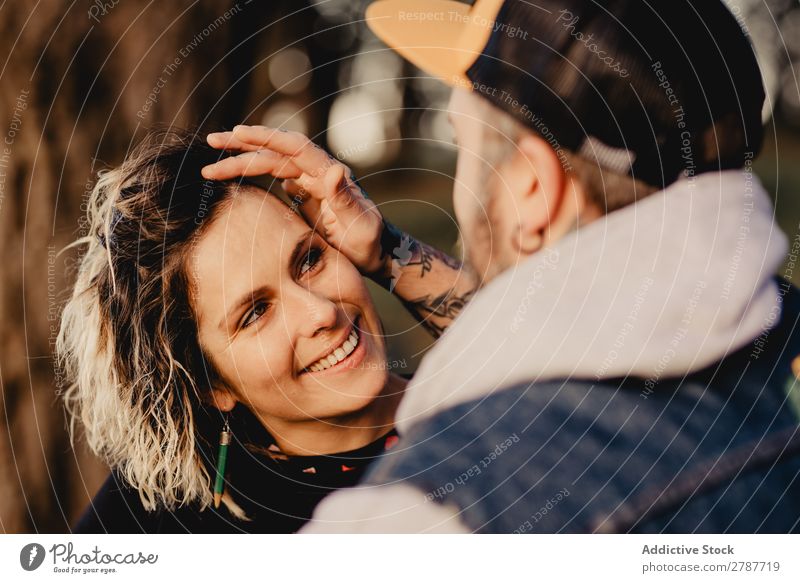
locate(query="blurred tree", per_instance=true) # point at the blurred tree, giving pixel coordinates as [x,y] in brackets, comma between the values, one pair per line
[81,82]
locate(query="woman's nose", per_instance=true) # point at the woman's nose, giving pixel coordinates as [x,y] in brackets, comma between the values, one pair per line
[315,313]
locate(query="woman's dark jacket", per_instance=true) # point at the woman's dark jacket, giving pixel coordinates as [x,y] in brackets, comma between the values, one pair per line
[278,492]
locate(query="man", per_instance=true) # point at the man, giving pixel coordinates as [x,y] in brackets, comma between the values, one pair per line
[627,365]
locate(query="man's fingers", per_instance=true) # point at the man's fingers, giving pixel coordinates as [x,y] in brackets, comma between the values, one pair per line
[227,141]
[327,187]
[308,206]
[309,157]
[279,140]
[252,164]
[336,183]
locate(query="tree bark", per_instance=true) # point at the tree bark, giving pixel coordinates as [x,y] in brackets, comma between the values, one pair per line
[81,83]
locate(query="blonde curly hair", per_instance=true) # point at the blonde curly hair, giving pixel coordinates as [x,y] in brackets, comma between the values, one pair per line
[128,340]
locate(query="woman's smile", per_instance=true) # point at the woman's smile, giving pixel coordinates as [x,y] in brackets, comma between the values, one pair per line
[349,352]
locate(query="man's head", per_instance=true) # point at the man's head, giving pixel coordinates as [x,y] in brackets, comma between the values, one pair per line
[565,110]
[515,194]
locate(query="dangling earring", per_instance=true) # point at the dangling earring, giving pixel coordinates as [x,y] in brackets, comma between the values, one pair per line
[222,458]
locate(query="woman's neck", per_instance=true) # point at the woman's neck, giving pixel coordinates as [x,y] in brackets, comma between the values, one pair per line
[343,433]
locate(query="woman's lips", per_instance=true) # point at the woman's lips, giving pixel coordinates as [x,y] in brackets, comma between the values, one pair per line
[352,360]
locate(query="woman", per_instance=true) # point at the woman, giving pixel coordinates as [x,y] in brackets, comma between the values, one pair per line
[214,338]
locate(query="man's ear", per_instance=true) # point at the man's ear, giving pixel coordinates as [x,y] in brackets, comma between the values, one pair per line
[221,398]
[538,182]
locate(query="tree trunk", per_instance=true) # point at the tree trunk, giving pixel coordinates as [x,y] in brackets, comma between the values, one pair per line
[81,83]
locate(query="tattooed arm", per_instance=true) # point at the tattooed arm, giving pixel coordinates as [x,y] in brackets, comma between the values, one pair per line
[433,286]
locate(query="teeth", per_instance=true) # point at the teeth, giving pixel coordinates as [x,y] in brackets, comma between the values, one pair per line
[337,355]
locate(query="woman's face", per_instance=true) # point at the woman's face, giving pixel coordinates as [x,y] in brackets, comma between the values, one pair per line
[285,318]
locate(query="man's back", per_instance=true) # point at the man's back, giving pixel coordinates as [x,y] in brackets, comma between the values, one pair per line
[715,451]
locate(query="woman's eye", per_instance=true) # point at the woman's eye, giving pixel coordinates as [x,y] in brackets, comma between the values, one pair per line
[259,308]
[310,260]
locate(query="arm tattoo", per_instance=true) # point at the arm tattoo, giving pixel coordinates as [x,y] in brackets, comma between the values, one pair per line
[405,251]
[435,254]
[434,310]
[442,306]
[425,256]
[421,255]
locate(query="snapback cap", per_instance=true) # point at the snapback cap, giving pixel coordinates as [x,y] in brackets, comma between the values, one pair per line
[655,90]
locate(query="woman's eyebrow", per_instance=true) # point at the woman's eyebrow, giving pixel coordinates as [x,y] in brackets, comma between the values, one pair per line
[300,246]
[247,298]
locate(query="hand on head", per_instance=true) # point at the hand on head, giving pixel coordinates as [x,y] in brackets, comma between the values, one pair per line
[323,189]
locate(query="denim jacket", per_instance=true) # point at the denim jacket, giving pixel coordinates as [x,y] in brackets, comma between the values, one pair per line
[715,451]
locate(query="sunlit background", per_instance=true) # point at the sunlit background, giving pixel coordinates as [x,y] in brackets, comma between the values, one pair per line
[83,81]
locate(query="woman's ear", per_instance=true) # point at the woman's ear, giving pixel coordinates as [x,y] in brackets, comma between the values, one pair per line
[221,398]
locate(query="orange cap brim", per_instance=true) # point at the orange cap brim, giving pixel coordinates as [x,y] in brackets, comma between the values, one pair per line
[441,37]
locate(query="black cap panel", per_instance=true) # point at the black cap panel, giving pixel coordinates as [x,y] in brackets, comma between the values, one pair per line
[650,83]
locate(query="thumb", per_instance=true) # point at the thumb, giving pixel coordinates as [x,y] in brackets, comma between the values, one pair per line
[308,206]
[335,183]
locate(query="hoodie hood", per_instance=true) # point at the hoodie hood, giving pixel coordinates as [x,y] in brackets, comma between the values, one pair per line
[660,288]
